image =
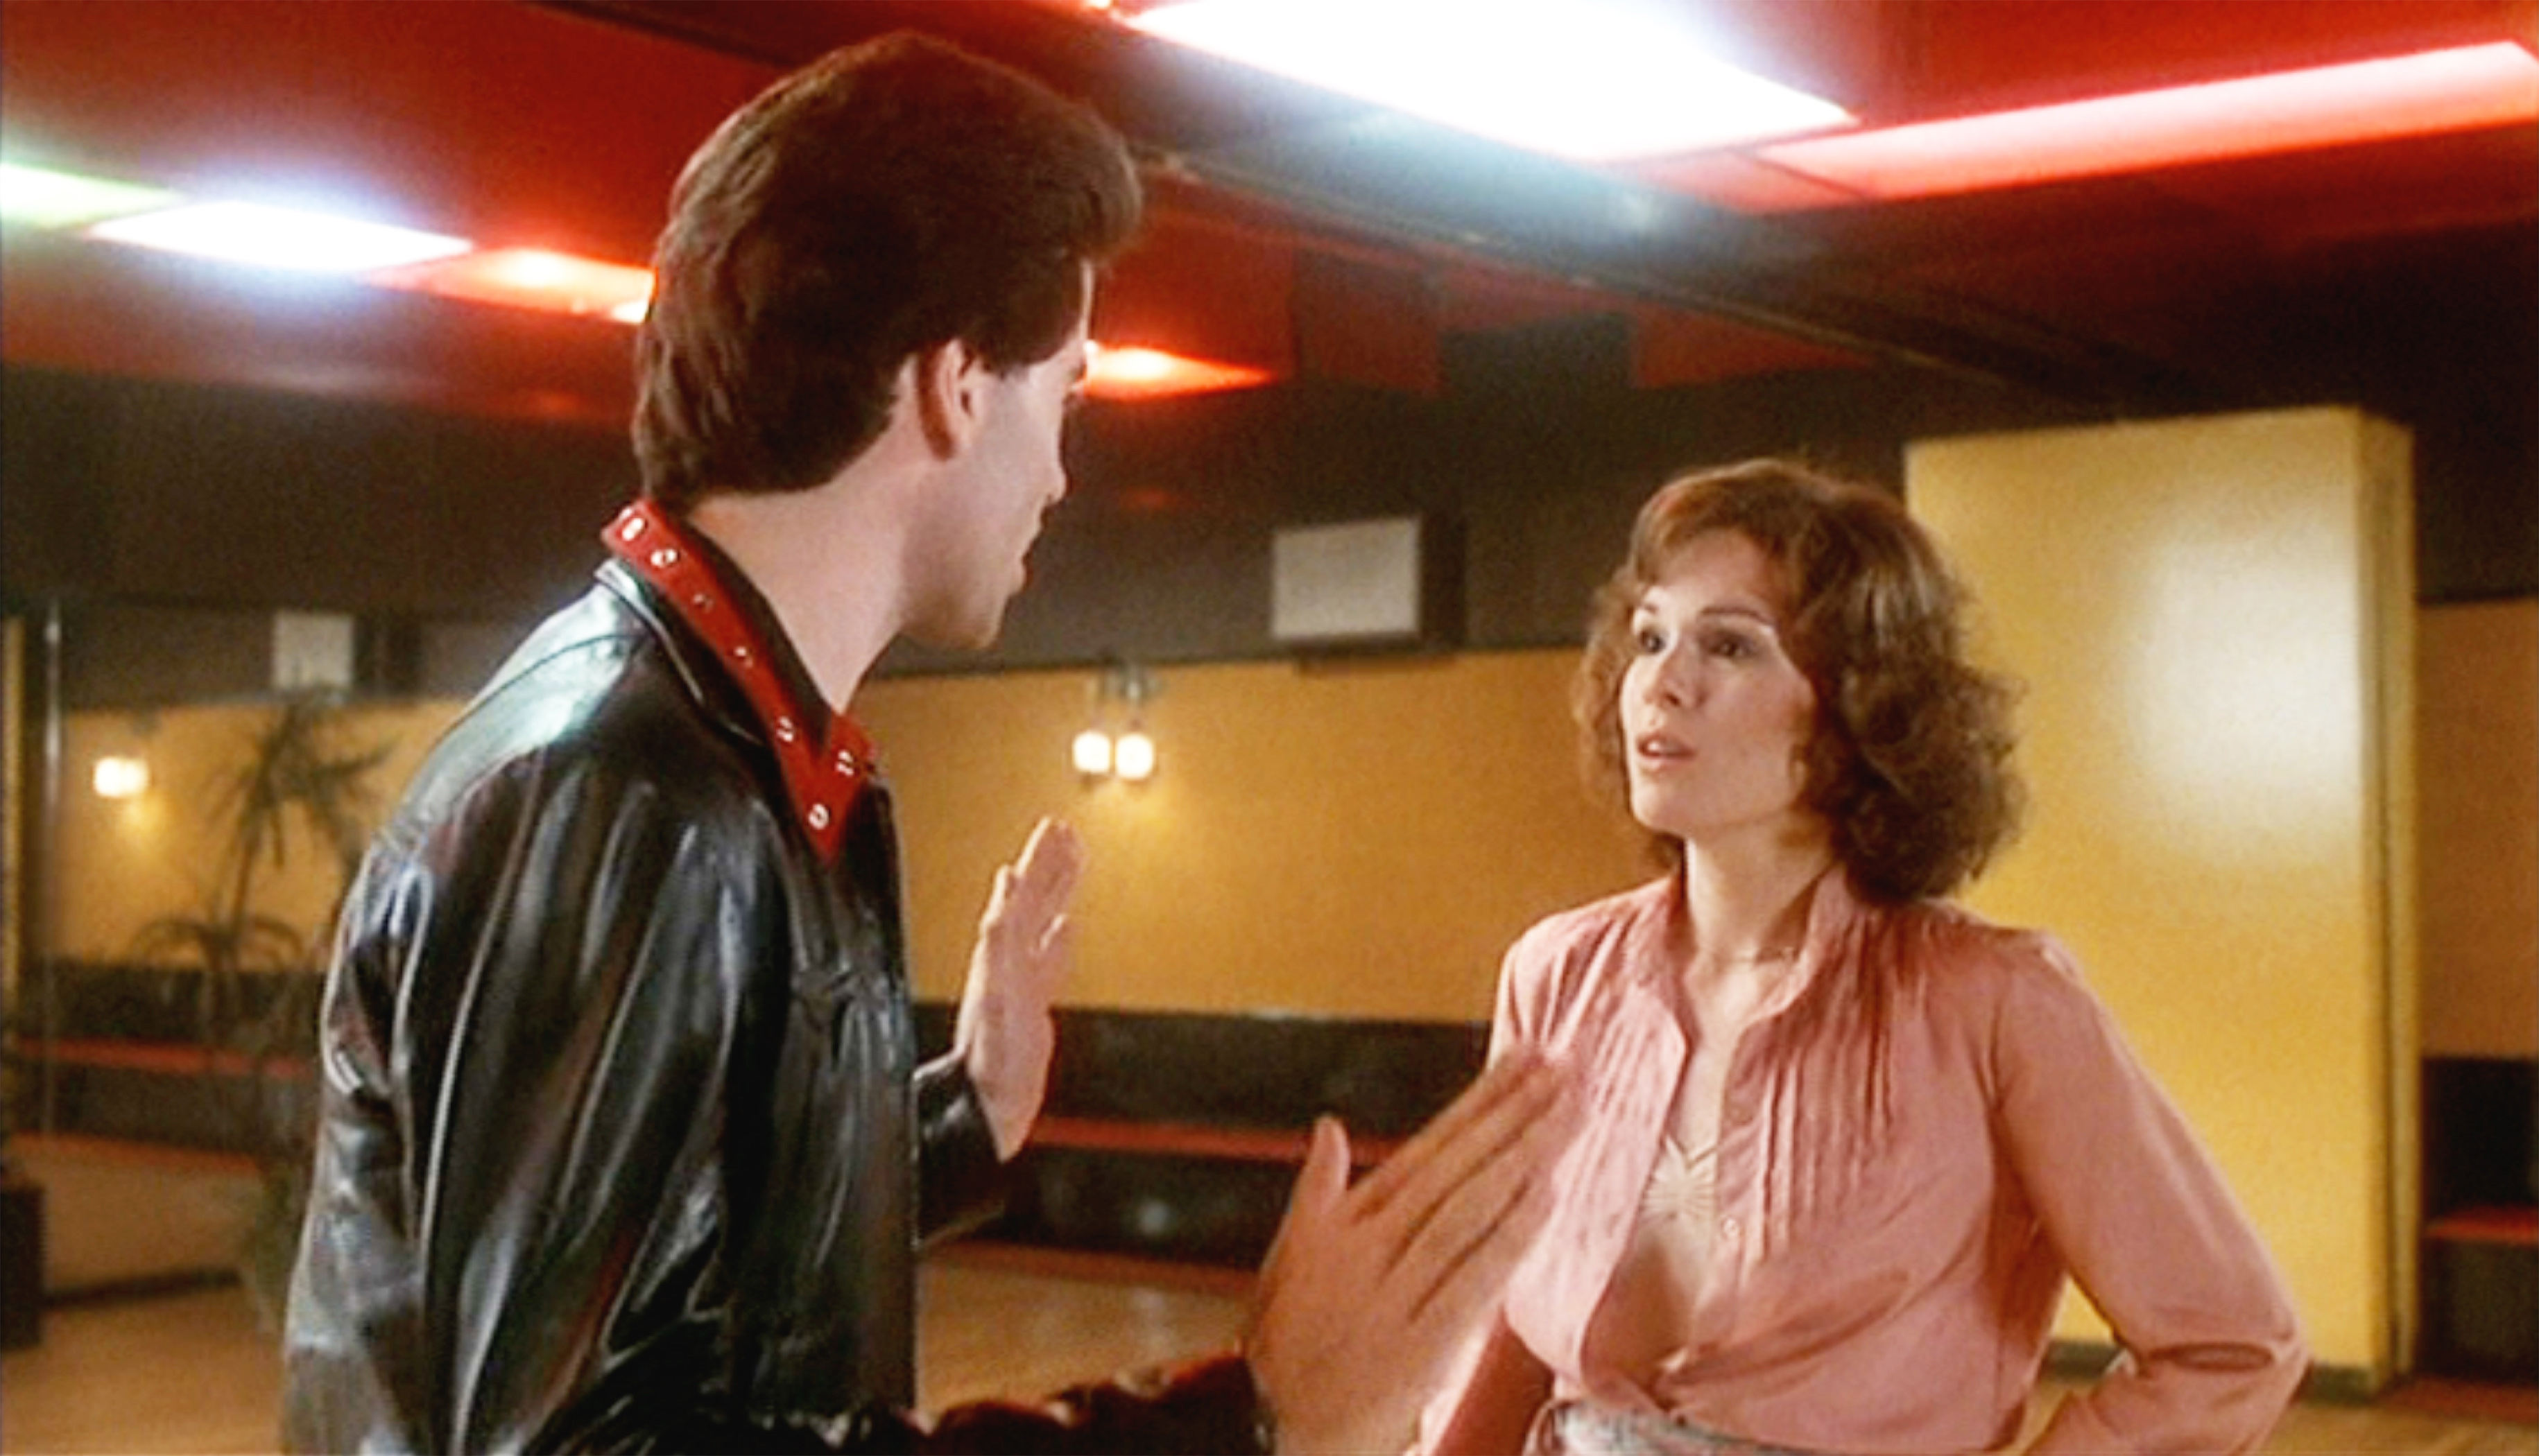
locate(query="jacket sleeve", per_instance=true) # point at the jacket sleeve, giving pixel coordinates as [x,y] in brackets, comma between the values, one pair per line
[2126,1193]
[960,1182]
[532,996]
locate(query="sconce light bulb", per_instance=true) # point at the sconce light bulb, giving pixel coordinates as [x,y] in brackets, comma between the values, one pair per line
[120,778]
[1134,759]
[1091,753]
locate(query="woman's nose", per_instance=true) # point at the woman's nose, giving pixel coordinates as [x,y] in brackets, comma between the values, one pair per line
[1666,681]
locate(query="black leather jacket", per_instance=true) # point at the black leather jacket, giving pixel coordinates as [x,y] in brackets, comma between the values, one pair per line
[623,1144]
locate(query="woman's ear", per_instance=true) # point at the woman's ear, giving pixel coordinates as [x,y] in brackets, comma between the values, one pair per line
[948,382]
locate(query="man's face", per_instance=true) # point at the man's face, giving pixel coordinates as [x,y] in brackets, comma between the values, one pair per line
[1009,475]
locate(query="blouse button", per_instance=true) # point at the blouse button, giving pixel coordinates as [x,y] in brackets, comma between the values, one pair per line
[819,815]
[846,762]
[784,729]
[666,558]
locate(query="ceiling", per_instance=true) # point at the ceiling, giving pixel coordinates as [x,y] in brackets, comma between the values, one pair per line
[1293,229]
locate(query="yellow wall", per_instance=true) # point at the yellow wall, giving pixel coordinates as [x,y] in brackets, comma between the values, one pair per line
[2197,608]
[2478,707]
[124,863]
[1357,840]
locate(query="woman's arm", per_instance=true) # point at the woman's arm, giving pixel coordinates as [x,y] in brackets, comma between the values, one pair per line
[2129,1197]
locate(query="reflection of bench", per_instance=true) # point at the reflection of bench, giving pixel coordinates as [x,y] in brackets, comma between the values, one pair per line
[1193,1139]
[177,1095]
[128,1060]
[1172,1136]
[1177,1135]
[2481,1249]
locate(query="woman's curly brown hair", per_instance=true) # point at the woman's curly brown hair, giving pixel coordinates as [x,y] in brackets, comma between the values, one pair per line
[1911,760]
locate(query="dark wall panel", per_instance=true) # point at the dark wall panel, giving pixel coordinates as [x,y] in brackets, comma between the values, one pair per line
[449,537]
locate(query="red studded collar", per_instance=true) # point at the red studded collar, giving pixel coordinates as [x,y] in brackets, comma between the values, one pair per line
[825,770]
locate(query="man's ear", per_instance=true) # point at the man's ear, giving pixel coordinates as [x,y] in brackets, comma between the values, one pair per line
[948,380]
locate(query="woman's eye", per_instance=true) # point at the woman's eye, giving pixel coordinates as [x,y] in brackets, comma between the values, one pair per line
[1648,641]
[1736,646]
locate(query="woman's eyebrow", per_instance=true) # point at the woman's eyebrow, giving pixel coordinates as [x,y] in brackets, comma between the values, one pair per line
[1740,612]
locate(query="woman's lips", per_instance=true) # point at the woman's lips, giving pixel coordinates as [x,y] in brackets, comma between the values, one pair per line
[1658,749]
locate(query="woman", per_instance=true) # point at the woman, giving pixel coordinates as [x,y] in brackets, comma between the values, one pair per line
[1848,1139]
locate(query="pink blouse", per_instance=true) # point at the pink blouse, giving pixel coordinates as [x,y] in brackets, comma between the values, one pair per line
[1935,1129]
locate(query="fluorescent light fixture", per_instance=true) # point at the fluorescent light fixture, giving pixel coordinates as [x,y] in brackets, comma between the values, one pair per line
[42,197]
[1137,373]
[278,237]
[1593,80]
[2421,95]
[530,278]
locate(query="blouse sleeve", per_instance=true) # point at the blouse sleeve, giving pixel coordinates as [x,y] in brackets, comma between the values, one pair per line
[2212,1354]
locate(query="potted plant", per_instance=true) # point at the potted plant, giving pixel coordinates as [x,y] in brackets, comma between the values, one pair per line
[257,995]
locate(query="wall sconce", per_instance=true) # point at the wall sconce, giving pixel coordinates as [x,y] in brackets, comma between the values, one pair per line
[120,776]
[1128,755]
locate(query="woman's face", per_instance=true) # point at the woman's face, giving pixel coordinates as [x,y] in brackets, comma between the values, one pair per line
[1715,716]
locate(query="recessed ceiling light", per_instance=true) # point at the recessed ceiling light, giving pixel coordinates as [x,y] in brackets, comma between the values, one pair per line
[531,277]
[1137,373]
[41,197]
[278,237]
[1594,79]
[2422,95]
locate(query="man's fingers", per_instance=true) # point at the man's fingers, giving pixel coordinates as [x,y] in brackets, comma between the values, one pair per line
[1051,859]
[1468,1250]
[1513,1095]
[1057,940]
[1320,1188]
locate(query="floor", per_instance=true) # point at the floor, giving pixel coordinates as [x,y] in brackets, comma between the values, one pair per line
[188,1368]
[192,1372]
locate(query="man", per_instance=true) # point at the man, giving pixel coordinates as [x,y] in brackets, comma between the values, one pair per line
[623,1142]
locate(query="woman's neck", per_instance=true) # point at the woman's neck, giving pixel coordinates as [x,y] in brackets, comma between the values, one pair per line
[1749,906]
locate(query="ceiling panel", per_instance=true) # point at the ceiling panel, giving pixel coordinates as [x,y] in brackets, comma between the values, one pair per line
[563,125]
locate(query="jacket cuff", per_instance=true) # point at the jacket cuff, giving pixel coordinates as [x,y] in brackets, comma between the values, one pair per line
[960,1183]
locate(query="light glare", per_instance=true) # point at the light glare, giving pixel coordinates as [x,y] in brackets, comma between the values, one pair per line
[41,197]
[1137,373]
[278,237]
[119,776]
[1091,753]
[1601,80]
[1133,757]
[531,277]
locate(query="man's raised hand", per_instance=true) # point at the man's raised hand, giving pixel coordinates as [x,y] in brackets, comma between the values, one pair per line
[1004,1034]
[1370,1291]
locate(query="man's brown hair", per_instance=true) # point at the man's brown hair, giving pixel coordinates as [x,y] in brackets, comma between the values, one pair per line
[889,198]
